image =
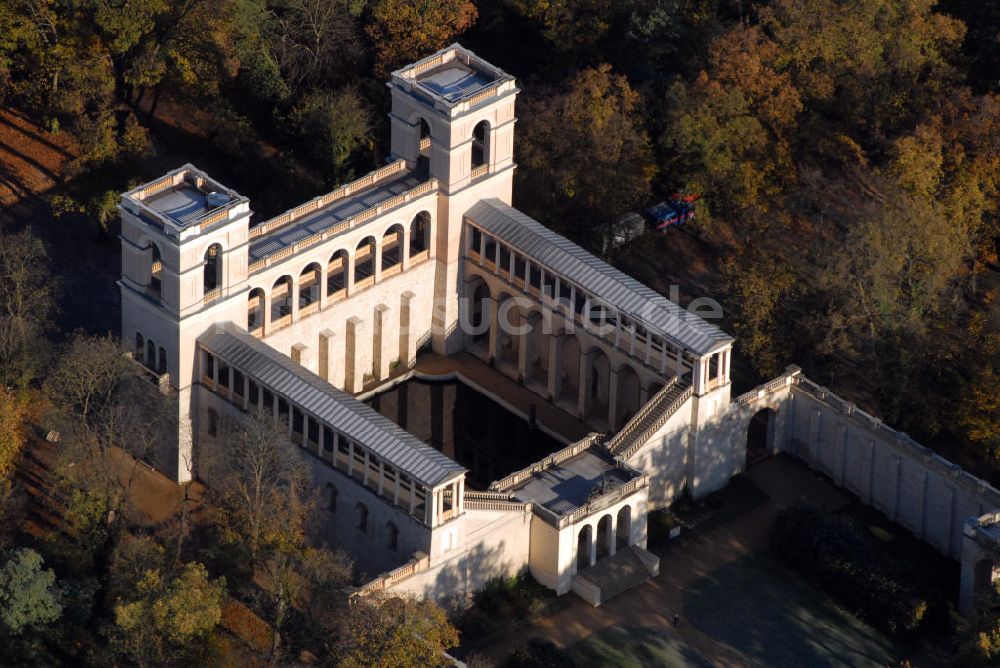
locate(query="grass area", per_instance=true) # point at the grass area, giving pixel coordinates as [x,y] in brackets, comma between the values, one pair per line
[638,647]
[771,617]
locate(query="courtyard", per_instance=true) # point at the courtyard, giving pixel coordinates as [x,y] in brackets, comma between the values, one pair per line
[735,604]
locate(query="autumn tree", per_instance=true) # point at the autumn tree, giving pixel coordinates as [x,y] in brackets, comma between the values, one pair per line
[403,31]
[108,408]
[585,157]
[169,617]
[257,478]
[570,25]
[334,126]
[27,304]
[876,67]
[760,293]
[728,133]
[29,594]
[401,632]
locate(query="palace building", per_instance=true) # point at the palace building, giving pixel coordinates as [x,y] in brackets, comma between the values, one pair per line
[474,394]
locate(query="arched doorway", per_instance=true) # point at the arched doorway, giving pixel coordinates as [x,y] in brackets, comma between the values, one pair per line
[623,530]
[255,310]
[420,233]
[508,319]
[597,384]
[424,147]
[364,260]
[392,243]
[213,268]
[538,350]
[569,373]
[604,536]
[155,269]
[583,541]
[309,282]
[760,436]
[478,318]
[627,401]
[281,298]
[336,273]
[480,144]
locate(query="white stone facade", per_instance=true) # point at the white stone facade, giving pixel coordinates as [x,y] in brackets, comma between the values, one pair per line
[342,292]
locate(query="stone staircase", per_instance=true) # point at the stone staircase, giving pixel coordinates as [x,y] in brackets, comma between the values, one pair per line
[627,568]
[653,415]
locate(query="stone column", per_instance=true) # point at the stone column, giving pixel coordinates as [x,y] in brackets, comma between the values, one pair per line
[349,274]
[613,397]
[407,337]
[326,354]
[377,261]
[298,353]
[522,348]
[584,380]
[266,321]
[323,276]
[404,248]
[381,342]
[295,298]
[612,536]
[555,366]
[354,377]
[494,334]
[593,546]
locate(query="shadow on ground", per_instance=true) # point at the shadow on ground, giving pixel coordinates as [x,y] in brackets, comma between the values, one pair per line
[772,618]
[628,647]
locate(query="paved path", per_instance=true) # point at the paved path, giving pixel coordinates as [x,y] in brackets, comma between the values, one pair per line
[684,564]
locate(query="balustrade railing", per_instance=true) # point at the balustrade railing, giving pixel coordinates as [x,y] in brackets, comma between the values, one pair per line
[361,217]
[784,380]
[638,440]
[324,200]
[212,295]
[555,458]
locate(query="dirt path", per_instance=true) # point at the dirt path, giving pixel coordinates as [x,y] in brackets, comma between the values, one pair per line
[31,160]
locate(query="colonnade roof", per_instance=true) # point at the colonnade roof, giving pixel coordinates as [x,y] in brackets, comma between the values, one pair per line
[336,408]
[612,287]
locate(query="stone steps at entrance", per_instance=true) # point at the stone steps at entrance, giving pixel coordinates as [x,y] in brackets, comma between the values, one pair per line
[610,576]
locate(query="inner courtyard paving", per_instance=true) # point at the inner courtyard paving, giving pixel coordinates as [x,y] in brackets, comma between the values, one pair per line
[720,557]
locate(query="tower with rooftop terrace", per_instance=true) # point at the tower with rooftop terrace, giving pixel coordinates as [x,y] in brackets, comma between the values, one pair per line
[184,260]
[453,115]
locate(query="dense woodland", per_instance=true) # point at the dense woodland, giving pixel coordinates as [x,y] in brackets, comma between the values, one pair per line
[847,155]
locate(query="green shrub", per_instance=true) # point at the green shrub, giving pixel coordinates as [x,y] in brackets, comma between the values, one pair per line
[834,553]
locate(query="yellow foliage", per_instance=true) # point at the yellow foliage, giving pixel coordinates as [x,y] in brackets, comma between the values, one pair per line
[12,414]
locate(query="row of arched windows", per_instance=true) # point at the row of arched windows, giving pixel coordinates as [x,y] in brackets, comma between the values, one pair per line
[146,351]
[361,518]
[338,274]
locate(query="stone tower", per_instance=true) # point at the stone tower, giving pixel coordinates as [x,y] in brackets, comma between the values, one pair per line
[453,114]
[184,253]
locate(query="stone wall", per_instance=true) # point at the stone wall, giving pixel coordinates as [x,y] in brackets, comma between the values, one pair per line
[912,485]
[496,544]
